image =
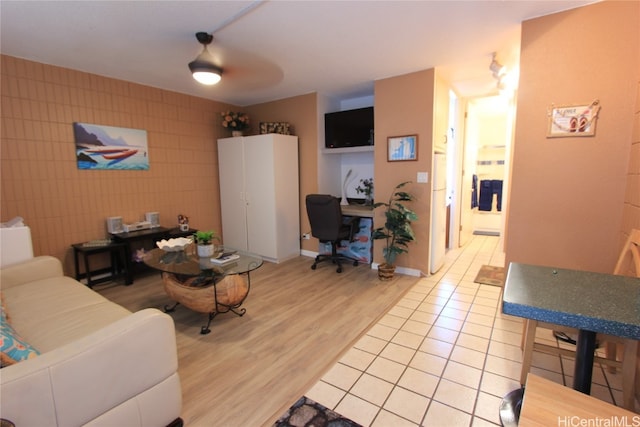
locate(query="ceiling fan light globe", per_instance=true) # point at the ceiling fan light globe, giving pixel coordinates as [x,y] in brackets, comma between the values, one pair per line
[205,72]
[208,78]
[204,69]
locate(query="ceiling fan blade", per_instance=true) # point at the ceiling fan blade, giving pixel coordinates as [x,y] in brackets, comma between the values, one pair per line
[243,69]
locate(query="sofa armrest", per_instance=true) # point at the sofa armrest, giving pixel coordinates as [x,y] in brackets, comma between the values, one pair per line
[99,374]
[37,268]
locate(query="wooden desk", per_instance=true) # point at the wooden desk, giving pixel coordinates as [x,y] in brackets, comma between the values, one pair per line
[547,403]
[361,246]
[590,302]
[357,210]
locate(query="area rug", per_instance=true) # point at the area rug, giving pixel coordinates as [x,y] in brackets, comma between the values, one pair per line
[490,275]
[307,413]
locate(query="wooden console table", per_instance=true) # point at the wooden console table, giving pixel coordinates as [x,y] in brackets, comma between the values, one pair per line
[147,240]
[116,268]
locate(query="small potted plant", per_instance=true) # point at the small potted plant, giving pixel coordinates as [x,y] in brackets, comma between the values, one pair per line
[366,187]
[396,231]
[235,122]
[204,241]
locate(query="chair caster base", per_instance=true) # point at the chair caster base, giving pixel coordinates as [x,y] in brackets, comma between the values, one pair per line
[336,260]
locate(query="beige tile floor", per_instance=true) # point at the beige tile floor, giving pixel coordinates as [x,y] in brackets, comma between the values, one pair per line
[444,355]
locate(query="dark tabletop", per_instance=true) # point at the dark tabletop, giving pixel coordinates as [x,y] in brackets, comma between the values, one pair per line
[585,300]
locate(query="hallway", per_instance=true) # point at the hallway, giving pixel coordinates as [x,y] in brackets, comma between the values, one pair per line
[444,355]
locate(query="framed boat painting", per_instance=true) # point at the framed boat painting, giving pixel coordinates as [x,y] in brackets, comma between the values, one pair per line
[111,148]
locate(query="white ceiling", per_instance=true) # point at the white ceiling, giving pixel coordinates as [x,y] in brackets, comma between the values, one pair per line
[277,49]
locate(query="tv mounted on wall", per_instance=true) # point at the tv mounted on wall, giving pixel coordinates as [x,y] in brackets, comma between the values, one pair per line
[350,128]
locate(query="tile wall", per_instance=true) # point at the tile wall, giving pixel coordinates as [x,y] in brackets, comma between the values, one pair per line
[40,180]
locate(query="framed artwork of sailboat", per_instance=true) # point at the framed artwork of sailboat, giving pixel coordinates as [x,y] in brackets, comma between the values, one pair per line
[108,147]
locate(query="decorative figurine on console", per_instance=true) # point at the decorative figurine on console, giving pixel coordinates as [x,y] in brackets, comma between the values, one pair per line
[139,255]
[183,222]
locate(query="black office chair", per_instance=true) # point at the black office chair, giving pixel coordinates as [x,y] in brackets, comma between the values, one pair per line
[327,226]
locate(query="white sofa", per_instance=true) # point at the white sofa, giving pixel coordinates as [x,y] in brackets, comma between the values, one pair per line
[99,364]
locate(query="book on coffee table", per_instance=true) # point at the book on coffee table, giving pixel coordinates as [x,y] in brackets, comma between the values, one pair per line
[225,258]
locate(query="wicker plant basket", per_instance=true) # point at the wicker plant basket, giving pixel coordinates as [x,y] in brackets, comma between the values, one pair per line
[230,291]
[386,271]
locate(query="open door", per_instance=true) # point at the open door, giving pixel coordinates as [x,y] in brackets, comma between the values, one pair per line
[488,137]
[469,157]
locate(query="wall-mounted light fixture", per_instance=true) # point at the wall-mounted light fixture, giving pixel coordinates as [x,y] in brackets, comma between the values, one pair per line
[506,81]
[497,68]
[204,70]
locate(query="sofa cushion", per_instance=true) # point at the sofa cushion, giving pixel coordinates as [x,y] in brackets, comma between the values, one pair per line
[56,311]
[13,347]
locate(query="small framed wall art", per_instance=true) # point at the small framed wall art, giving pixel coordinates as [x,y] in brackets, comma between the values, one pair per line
[402,148]
[573,120]
[282,128]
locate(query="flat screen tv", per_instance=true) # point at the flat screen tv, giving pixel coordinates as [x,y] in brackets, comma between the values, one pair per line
[350,128]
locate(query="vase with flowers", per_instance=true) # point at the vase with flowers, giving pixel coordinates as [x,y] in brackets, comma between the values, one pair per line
[366,187]
[235,122]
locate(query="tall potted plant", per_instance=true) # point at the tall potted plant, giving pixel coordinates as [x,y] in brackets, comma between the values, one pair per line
[396,231]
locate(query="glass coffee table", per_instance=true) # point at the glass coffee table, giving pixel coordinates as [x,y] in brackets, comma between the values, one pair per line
[202,284]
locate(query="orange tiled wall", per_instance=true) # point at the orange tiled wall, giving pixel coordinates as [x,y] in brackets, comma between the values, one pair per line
[559,212]
[631,213]
[62,204]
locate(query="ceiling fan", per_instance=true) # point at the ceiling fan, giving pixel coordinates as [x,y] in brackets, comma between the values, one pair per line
[203,68]
[208,68]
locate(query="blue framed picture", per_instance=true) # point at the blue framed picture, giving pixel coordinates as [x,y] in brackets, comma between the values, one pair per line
[402,148]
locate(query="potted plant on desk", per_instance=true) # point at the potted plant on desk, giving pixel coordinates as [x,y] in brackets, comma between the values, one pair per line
[366,187]
[397,231]
[204,241]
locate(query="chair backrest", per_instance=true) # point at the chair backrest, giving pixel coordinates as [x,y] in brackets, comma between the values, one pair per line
[325,216]
[629,262]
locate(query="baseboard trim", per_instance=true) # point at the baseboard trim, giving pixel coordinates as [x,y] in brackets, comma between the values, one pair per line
[374,266]
[402,270]
[486,233]
[307,253]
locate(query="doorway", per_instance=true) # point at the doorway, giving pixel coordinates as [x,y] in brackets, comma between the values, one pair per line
[487,141]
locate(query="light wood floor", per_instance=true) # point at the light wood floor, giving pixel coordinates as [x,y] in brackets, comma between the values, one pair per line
[250,369]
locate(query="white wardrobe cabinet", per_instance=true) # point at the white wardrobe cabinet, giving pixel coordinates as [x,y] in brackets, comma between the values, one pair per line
[259,195]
